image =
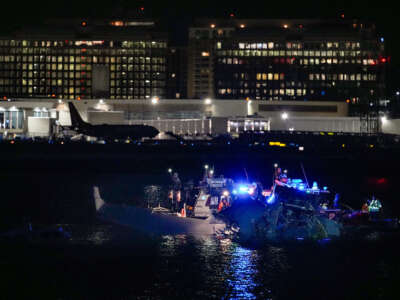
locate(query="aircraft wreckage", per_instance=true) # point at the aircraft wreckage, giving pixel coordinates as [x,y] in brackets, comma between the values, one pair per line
[290,210]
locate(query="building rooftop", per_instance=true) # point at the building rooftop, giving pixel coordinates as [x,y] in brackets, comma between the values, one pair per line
[299,25]
[93,29]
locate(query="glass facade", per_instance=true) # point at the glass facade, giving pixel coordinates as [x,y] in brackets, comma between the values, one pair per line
[258,59]
[271,70]
[11,119]
[69,69]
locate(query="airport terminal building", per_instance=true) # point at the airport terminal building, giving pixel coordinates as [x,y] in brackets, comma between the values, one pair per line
[247,73]
[43,117]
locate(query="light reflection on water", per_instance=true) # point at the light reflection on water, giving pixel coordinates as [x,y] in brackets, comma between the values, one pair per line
[226,269]
[93,234]
[242,269]
[184,267]
[225,262]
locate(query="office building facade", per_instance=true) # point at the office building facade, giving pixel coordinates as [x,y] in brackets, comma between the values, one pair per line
[116,59]
[340,60]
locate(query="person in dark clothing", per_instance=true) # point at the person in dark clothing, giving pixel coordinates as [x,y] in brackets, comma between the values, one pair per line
[175,192]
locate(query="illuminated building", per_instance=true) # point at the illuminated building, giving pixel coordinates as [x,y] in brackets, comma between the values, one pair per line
[324,60]
[84,59]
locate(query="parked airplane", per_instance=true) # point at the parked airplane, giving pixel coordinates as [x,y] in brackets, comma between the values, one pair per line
[106,131]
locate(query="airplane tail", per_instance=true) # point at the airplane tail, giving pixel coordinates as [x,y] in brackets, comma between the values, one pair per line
[76,119]
[97,198]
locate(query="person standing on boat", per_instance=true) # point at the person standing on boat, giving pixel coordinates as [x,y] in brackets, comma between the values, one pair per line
[175,193]
[374,208]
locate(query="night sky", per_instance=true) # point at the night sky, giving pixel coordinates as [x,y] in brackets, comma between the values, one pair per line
[179,12]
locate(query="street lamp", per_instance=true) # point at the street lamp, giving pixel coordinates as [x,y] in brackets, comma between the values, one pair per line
[206,167]
[170,170]
[275,165]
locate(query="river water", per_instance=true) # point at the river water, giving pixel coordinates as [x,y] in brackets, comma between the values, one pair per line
[103,261]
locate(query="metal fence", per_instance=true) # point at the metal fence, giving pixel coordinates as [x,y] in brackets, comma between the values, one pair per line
[178,126]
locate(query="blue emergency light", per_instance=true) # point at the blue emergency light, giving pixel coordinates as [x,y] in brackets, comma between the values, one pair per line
[243,189]
[271,199]
[297,180]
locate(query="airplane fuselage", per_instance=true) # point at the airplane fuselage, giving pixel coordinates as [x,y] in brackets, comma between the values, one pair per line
[118,131]
[112,132]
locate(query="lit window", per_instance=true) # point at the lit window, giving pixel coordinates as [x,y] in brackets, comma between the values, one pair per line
[205,53]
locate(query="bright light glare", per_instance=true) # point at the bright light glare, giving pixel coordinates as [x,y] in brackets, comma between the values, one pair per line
[169,170]
[275,165]
[225,193]
[243,189]
[207,101]
[383,119]
[154,100]
[301,148]
[284,116]
[206,167]
[251,191]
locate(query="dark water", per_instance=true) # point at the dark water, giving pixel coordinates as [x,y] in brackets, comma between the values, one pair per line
[110,262]
[104,261]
